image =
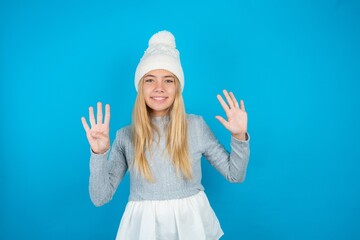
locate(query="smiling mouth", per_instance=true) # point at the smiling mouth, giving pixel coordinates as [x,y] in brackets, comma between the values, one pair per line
[159,98]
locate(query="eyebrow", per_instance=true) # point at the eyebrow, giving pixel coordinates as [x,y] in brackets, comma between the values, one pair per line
[149,75]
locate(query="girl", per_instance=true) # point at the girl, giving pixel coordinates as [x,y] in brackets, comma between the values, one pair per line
[162,150]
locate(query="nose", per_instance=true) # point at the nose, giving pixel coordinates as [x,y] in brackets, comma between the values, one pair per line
[159,87]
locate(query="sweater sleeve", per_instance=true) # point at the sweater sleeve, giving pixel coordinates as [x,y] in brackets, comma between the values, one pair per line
[106,172]
[231,165]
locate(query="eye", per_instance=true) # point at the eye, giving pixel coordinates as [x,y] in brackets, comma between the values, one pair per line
[149,80]
[169,80]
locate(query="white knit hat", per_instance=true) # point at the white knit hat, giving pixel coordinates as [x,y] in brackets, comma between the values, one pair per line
[161,54]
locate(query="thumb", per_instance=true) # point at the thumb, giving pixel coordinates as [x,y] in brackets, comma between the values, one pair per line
[93,134]
[99,135]
[222,121]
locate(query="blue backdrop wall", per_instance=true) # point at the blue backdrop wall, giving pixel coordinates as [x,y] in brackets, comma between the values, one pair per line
[296,64]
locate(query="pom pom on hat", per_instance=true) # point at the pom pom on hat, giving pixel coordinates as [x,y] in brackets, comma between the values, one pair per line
[160,54]
[163,37]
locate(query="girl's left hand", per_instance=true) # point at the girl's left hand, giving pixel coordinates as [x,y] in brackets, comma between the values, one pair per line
[236,115]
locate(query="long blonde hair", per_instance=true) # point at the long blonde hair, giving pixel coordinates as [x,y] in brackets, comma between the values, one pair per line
[176,134]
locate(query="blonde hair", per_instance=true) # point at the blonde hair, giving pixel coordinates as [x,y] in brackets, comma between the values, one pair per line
[176,134]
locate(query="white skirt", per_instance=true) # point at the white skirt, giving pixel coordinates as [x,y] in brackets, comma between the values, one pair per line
[177,219]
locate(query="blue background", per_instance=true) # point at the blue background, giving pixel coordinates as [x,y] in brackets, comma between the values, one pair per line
[296,64]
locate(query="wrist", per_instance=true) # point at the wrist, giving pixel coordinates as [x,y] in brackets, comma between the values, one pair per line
[99,152]
[240,136]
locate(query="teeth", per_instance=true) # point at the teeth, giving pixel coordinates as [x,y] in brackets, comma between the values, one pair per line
[158,98]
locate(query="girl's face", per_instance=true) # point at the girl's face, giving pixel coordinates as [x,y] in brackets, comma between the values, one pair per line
[159,91]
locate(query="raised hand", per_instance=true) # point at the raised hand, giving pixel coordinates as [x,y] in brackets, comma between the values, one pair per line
[98,134]
[236,121]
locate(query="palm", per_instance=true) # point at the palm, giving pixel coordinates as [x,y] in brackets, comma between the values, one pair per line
[236,121]
[98,134]
[98,137]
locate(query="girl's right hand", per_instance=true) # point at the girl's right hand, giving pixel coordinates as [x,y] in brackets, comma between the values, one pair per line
[98,134]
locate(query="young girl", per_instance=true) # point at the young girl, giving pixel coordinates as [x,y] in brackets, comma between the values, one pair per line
[162,150]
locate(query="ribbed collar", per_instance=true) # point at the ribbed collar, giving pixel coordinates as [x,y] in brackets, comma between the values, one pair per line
[160,120]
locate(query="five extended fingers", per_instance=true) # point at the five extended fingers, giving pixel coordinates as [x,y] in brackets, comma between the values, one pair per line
[231,109]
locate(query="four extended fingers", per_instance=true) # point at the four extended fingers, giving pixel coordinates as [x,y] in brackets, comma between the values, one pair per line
[99,116]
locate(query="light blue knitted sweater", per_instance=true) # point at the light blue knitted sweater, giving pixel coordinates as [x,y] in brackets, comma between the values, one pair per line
[108,169]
